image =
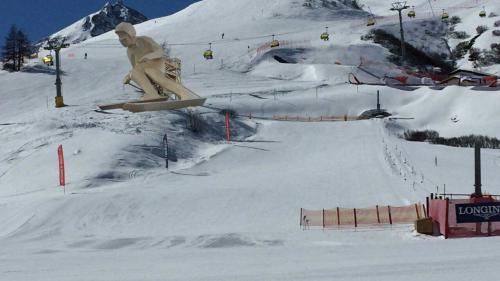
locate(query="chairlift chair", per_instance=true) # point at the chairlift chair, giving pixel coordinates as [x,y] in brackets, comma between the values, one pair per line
[275,43]
[370,22]
[48,60]
[411,13]
[208,54]
[371,18]
[325,36]
[444,15]
[482,13]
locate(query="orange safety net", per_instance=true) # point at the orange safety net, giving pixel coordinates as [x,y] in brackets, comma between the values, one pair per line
[315,119]
[406,214]
[341,217]
[311,218]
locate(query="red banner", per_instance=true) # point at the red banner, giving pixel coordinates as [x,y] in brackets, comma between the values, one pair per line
[61,166]
[438,211]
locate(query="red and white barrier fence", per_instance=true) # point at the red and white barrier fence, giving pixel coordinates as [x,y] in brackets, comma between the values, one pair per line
[347,217]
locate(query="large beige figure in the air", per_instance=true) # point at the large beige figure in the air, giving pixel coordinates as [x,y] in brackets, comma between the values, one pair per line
[146,57]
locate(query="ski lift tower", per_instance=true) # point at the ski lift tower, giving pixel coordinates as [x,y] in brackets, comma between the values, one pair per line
[57,45]
[400,6]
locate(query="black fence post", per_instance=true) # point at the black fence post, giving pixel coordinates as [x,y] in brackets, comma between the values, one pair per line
[165,150]
[477,170]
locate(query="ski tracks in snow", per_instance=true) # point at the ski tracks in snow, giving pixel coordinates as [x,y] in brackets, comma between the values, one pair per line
[29,148]
[400,163]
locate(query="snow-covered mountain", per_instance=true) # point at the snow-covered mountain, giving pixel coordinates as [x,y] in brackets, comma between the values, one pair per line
[436,37]
[227,211]
[99,22]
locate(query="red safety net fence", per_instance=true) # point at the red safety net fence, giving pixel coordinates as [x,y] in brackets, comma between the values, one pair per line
[443,212]
[357,217]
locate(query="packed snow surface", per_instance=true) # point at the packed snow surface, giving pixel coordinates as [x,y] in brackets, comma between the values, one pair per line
[230,211]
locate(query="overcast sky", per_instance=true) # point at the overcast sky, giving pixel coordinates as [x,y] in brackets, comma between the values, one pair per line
[39,18]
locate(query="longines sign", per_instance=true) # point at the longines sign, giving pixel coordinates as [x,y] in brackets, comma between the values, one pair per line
[480,212]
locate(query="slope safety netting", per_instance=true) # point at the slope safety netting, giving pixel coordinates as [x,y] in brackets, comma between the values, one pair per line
[356,217]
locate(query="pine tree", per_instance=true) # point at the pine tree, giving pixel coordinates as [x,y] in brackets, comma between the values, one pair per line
[17,46]
[474,56]
[9,50]
[24,48]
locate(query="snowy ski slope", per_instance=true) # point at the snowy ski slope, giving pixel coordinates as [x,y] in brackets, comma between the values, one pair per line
[230,211]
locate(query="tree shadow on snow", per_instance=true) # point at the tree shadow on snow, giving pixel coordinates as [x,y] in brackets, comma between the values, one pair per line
[42,69]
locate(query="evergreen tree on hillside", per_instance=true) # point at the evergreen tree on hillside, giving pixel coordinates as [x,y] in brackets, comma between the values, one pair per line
[474,56]
[9,50]
[24,48]
[17,46]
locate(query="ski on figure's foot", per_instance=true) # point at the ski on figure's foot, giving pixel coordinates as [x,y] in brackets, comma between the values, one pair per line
[119,105]
[152,105]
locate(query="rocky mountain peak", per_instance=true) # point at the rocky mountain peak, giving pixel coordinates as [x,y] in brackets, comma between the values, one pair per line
[102,21]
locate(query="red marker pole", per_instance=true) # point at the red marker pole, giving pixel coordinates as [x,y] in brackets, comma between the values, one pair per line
[62,181]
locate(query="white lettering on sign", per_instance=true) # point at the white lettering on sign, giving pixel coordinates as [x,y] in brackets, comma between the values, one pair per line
[485,212]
